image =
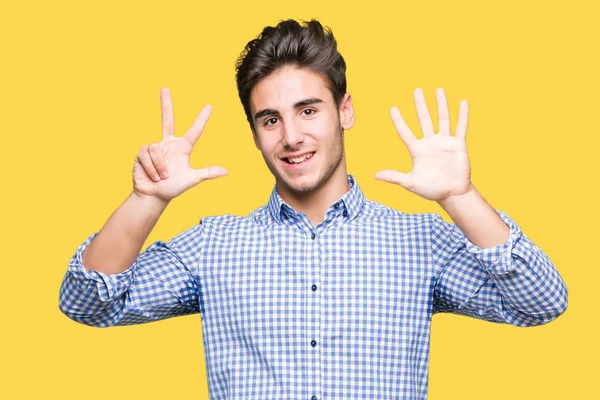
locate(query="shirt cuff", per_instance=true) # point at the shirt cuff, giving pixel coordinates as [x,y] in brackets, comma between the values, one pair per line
[497,259]
[108,286]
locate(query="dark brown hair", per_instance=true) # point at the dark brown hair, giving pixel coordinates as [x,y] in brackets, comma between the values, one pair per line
[306,45]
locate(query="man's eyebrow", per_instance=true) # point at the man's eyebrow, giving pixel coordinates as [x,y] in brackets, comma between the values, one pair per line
[299,104]
[308,102]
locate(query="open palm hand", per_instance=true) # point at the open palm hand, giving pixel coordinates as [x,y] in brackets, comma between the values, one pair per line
[441,167]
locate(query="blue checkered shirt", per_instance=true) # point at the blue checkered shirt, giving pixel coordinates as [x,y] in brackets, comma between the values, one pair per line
[338,311]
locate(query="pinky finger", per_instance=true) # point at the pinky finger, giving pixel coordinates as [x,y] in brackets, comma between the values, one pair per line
[144,158]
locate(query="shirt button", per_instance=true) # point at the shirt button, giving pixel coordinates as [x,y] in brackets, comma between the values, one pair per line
[336,205]
[345,213]
[313,398]
[313,236]
[313,343]
[314,288]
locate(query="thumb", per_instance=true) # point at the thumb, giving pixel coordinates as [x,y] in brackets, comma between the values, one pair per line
[202,174]
[396,177]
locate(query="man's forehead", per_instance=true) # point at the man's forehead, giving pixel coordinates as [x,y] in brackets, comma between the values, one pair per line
[287,86]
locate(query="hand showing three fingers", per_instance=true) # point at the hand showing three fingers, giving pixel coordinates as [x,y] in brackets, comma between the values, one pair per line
[171,155]
[441,167]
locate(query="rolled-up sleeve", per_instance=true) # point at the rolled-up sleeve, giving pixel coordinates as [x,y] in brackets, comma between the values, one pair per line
[161,283]
[514,283]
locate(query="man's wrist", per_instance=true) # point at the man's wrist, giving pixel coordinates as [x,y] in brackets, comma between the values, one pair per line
[456,200]
[149,202]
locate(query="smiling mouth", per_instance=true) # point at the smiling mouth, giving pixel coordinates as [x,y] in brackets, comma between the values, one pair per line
[299,160]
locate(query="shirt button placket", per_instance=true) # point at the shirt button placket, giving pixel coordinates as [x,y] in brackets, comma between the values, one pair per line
[313,329]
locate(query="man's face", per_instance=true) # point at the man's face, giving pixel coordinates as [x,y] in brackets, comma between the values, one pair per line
[295,117]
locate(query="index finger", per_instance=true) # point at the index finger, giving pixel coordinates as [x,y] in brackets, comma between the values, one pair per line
[167,113]
[463,120]
[403,130]
[198,126]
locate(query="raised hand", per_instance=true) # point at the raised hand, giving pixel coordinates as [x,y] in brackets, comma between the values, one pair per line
[171,158]
[441,168]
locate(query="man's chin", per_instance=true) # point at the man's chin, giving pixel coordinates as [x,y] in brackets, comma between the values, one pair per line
[302,187]
[300,184]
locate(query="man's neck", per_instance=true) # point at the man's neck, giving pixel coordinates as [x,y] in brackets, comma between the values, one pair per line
[316,203]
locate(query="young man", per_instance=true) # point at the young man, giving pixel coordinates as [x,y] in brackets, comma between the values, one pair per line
[320,293]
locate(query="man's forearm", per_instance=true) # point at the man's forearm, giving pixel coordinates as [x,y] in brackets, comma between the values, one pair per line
[480,223]
[118,243]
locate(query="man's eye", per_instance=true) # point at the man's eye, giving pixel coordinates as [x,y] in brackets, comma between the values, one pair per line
[270,119]
[311,112]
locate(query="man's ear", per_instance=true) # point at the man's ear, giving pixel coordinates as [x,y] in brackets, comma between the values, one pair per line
[346,112]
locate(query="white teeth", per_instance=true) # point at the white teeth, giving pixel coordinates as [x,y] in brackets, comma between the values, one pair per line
[300,159]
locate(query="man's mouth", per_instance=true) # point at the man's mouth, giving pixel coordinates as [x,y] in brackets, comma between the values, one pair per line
[299,160]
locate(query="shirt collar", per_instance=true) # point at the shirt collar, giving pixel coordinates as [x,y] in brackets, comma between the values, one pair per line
[352,200]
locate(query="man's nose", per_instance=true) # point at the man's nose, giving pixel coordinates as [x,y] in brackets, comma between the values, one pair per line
[292,134]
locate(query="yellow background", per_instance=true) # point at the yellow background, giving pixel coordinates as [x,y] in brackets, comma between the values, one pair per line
[79,96]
